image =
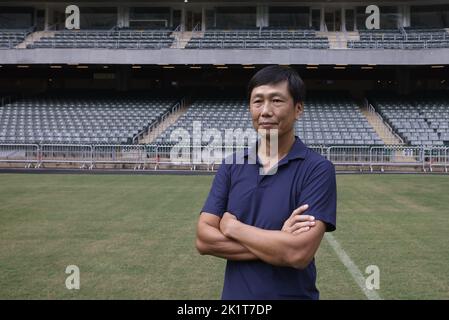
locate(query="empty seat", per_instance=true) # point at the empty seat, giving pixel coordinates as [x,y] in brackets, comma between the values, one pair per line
[65,119]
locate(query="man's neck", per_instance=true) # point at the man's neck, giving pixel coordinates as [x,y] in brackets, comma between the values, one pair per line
[285,143]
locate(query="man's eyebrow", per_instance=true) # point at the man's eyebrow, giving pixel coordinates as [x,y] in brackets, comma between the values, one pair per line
[260,95]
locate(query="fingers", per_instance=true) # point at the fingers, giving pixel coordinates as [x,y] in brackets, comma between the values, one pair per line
[300,210]
[298,218]
[301,230]
[302,217]
[302,225]
[299,227]
[298,222]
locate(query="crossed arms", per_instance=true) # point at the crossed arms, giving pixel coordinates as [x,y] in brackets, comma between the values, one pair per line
[293,246]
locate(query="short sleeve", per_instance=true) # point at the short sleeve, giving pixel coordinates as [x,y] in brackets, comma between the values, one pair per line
[217,200]
[320,193]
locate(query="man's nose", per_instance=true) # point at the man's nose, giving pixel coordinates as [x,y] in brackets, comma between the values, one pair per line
[267,110]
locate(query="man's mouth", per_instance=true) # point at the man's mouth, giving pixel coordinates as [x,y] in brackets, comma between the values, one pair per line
[267,124]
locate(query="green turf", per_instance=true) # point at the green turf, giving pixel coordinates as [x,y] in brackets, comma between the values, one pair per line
[133,237]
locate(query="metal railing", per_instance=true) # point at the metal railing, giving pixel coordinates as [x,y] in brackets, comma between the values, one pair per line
[119,154]
[20,153]
[425,158]
[381,120]
[66,153]
[111,44]
[151,127]
[349,156]
[404,36]
[399,44]
[260,44]
[197,27]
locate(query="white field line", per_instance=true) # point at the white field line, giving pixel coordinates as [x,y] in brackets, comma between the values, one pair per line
[352,268]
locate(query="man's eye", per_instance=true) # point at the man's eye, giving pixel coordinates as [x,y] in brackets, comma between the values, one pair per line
[277,101]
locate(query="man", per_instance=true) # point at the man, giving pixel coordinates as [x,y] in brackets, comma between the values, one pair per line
[257,221]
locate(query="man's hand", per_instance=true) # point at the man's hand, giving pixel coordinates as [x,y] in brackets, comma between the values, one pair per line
[226,222]
[210,240]
[297,222]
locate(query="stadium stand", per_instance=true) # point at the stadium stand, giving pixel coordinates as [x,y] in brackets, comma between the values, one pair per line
[333,123]
[79,120]
[420,120]
[404,38]
[330,120]
[215,113]
[9,38]
[113,39]
[259,38]
[335,119]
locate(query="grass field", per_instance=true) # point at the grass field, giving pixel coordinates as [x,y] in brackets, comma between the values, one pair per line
[133,237]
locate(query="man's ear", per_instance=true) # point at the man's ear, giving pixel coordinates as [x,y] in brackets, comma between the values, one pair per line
[299,109]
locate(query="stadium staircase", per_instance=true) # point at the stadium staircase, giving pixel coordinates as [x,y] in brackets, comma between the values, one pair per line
[339,40]
[182,38]
[351,36]
[35,36]
[386,134]
[382,129]
[161,126]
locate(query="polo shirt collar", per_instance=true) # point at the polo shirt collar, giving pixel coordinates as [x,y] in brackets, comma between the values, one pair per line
[297,151]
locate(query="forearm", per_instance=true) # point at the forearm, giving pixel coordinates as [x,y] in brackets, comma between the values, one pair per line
[212,241]
[271,246]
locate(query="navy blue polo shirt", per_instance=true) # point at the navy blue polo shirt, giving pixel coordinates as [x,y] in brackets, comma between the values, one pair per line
[266,201]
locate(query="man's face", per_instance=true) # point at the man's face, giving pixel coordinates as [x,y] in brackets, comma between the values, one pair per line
[272,107]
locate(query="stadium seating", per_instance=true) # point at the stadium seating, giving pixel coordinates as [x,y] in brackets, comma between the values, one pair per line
[420,120]
[269,38]
[330,120]
[335,119]
[213,113]
[79,120]
[113,39]
[258,39]
[9,38]
[404,38]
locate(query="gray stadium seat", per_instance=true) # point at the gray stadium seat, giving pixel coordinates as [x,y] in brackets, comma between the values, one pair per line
[79,120]
[326,120]
[421,119]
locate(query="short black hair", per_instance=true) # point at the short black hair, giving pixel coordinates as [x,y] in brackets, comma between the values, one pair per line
[275,74]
